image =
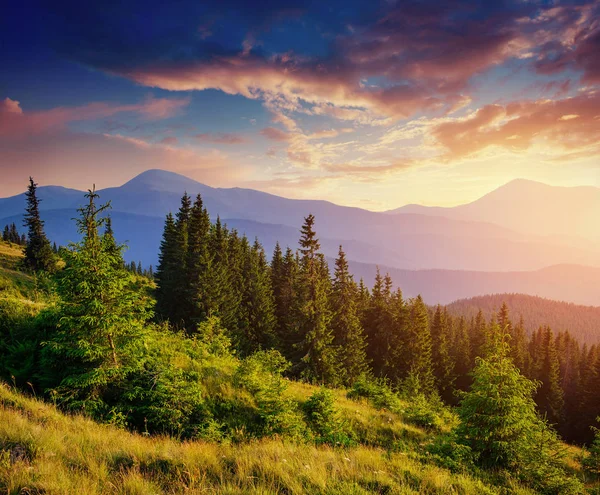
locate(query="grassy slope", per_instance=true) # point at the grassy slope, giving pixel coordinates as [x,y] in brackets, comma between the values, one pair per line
[45,451]
[54,453]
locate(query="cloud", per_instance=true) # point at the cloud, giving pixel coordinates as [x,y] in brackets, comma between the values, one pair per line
[77,159]
[17,123]
[567,124]
[10,106]
[220,138]
[398,59]
[275,134]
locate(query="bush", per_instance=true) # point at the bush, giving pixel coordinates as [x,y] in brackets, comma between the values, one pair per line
[376,391]
[325,421]
[260,374]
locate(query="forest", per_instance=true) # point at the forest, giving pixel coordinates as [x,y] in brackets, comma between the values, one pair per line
[226,345]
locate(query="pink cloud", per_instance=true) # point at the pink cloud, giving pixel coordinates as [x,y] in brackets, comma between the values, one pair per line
[76,160]
[220,138]
[15,122]
[275,134]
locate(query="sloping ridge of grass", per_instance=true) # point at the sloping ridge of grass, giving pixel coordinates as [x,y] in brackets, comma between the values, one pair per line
[45,451]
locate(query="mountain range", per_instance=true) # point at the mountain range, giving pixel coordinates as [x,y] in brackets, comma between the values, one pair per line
[507,239]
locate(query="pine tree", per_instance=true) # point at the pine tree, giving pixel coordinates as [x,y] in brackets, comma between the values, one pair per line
[257,328]
[378,322]
[167,271]
[313,316]
[478,336]
[348,333]
[101,316]
[6,234]
[419,357]
[498,413]
[285,286]
[500,425]
[462,353]
[38,252]
[443,363]
[199,298]
[549,397]
[518,346]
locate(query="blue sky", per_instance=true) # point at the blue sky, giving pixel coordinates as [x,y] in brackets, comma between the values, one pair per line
[372,104]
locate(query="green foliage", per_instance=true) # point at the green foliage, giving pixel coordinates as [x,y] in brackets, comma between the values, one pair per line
[325,419]
[349,337]
[260,374]
[499,422]
[318,362]
[376,391]
[101,317]
[38,252]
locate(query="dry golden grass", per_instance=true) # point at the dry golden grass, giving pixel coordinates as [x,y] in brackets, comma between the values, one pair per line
[57,454]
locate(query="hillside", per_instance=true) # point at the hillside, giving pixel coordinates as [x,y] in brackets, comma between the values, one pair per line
[570,283]
[44,451]
[529,206]
[408,241]
[583,322]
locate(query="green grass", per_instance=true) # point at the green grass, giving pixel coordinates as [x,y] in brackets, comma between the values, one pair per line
[45,451]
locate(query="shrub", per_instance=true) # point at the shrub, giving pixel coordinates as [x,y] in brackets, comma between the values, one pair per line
[260,374]
[325,421]
[376,391]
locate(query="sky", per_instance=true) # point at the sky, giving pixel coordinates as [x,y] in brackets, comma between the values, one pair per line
[371,104]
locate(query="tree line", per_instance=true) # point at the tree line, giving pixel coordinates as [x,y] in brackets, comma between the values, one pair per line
[96,350]
[333,329]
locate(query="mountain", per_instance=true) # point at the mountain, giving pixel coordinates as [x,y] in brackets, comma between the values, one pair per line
[583,322]
[408,241]
[570,283]
[529,207]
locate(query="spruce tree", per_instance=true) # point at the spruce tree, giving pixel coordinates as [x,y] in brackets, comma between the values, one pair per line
[478,336]
[38,252]
[549,397]
[167,272]
[257,326]
[419,356]
[313,317]
[378,321]
[348,333]
[6,234]
[500,424]
[101,316]
[443,362]
[462,353]
[518,345]
[396,360]
[285,287]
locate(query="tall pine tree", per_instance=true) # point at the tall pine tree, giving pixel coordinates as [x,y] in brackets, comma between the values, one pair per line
[347,329]
[38,252]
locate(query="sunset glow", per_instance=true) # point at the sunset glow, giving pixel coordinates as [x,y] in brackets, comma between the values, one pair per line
[374,105]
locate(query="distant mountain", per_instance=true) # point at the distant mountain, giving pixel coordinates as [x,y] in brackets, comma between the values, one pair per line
[408,241]
[583,322]
[529,207]
[570,283]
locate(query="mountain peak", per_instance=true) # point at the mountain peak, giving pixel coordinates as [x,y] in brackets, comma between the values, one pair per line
[163,180]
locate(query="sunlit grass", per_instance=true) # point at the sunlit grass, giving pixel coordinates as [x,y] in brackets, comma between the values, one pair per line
[71,454]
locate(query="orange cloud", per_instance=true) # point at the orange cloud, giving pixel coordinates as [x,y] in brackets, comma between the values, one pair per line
[570,123]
